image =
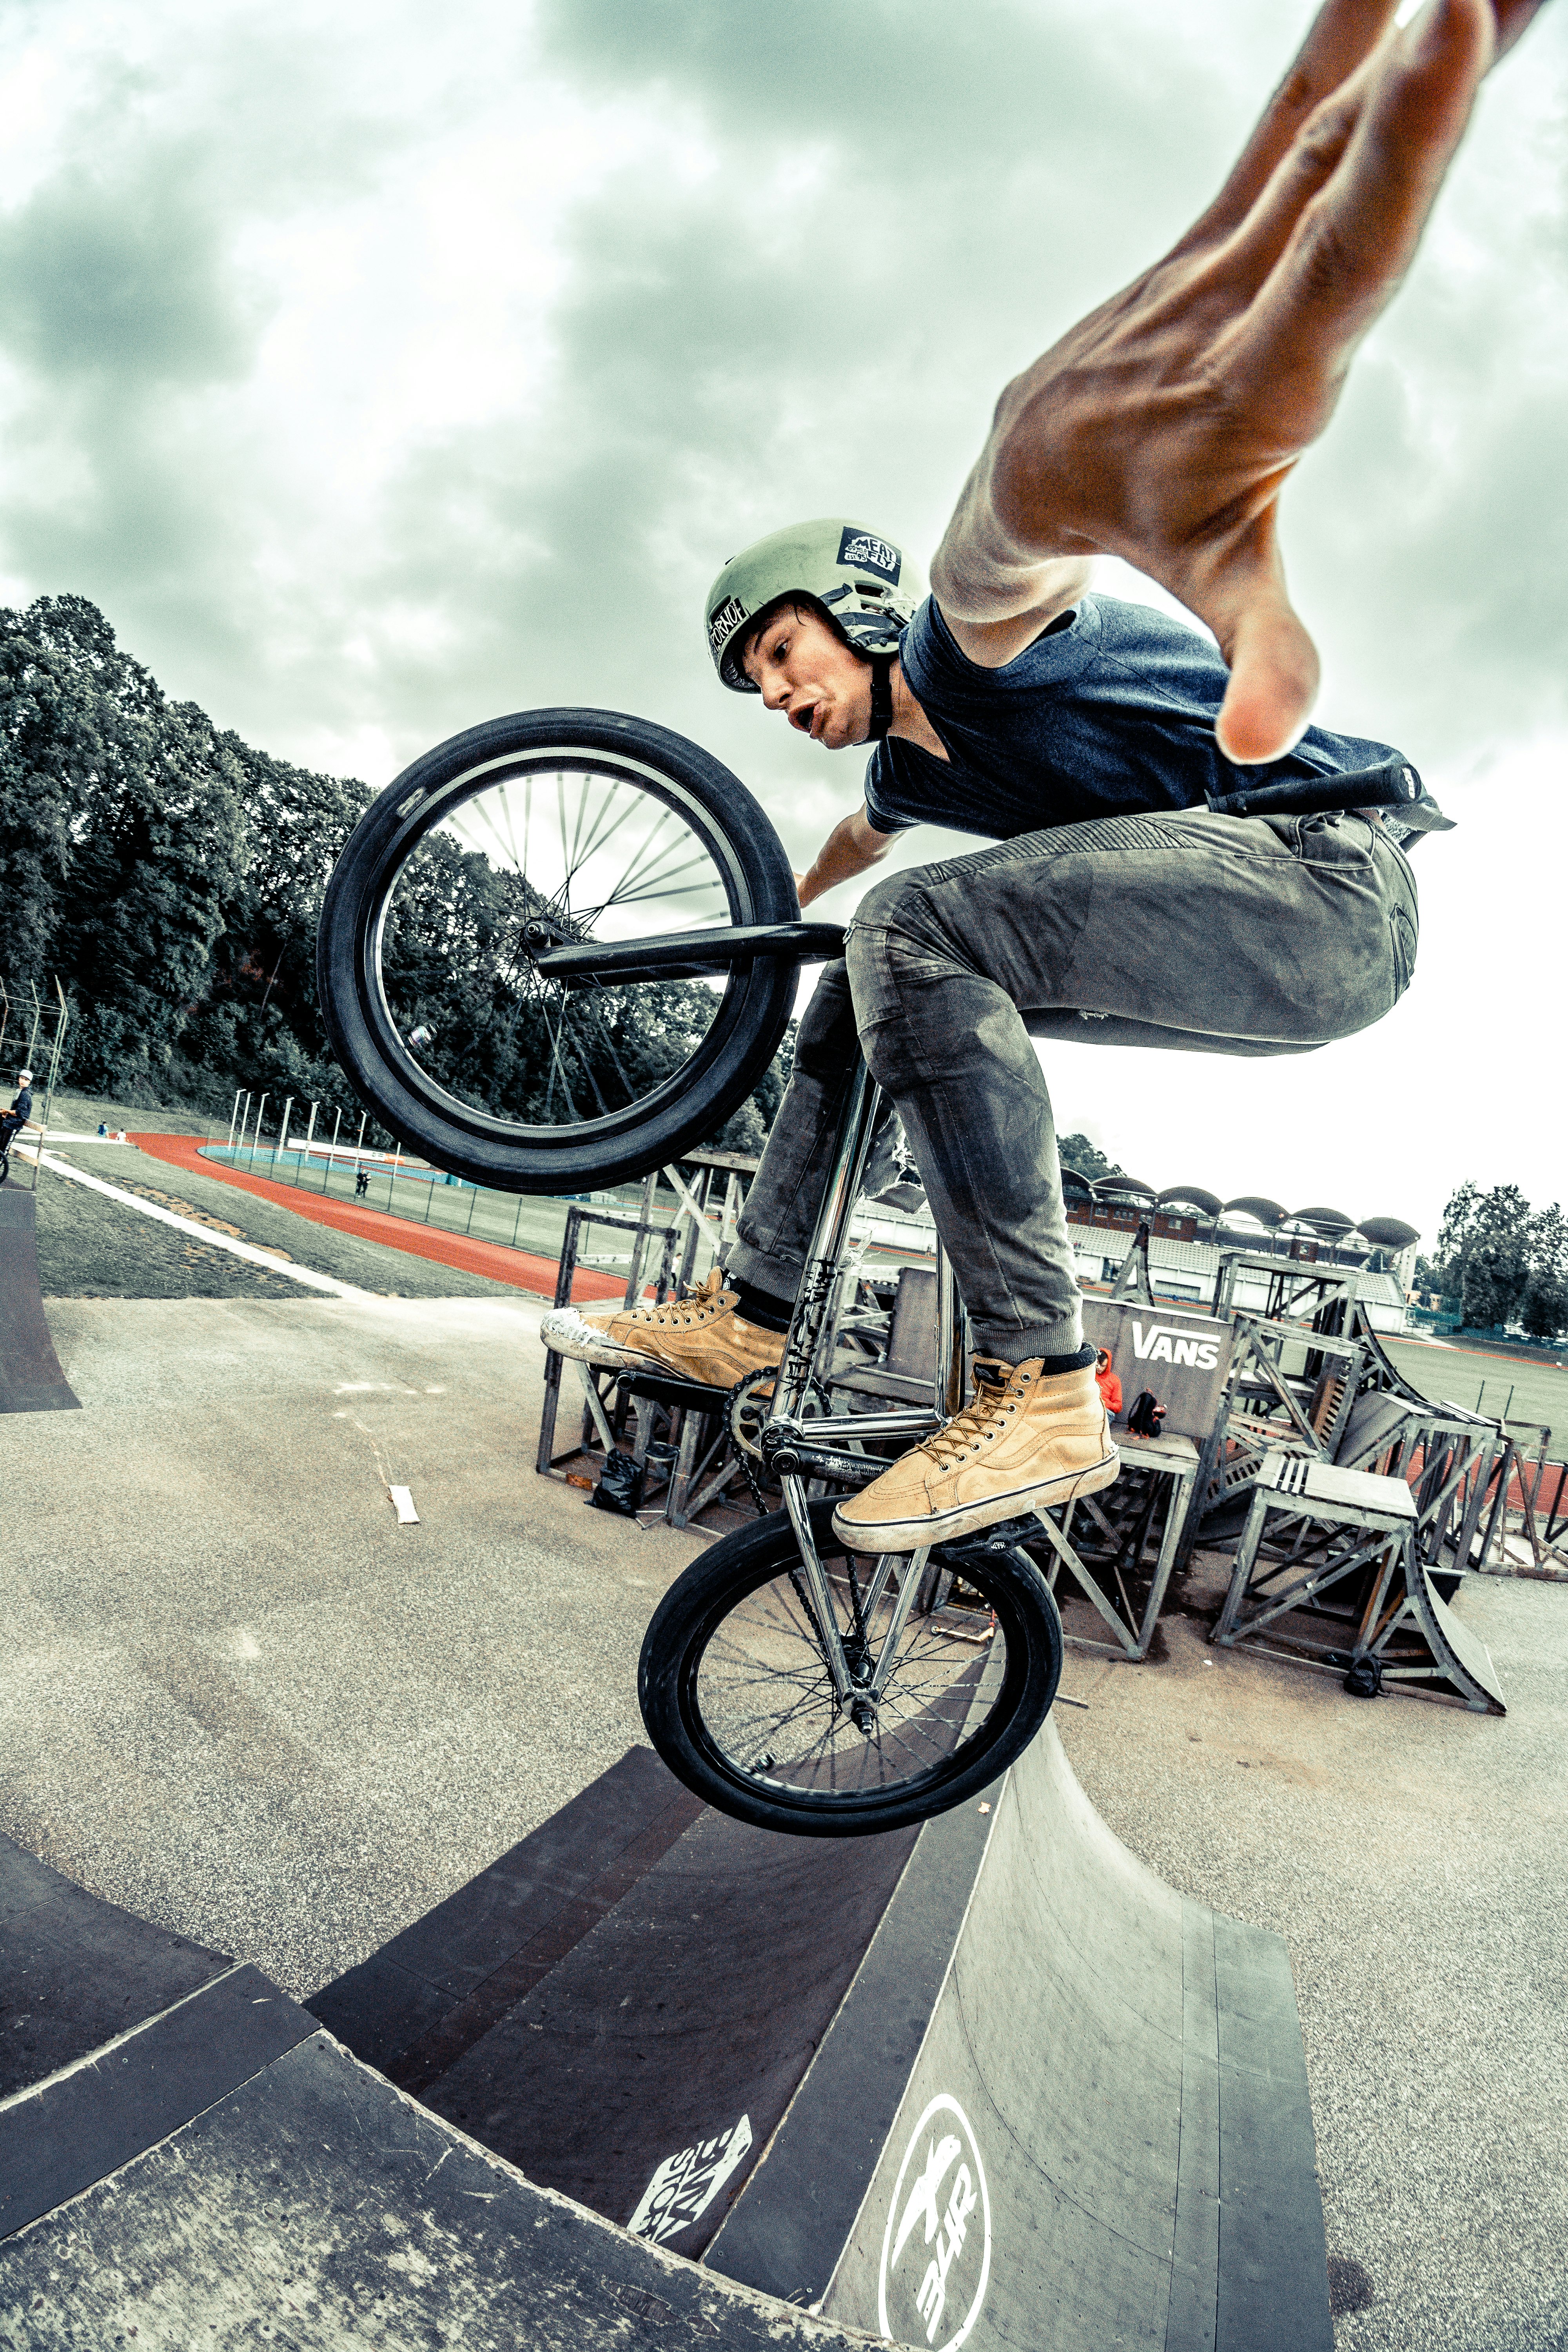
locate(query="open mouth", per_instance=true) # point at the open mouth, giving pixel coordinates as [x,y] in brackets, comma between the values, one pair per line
[804,719]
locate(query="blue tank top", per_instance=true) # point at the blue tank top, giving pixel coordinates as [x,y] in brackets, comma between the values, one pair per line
[1110,714]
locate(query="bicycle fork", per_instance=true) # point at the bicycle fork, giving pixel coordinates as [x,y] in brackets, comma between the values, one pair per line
[793,1448]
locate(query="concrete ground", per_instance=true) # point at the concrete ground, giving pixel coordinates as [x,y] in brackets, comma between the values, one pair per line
[238,1698]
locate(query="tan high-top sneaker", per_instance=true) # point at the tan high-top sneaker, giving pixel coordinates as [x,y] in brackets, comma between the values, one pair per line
[700,1337]
[1025,1438]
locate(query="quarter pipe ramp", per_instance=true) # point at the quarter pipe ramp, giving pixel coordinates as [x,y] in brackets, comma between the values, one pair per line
[991,2083]
[31,1380]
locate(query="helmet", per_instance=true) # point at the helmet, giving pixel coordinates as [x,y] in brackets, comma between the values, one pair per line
[24,1078]
[859,581]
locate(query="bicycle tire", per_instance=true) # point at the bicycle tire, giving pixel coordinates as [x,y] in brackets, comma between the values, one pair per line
[379,1045]
[714,1590]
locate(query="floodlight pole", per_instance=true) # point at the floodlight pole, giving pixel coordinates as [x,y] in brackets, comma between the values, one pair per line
[234,1114]
[331,1152]
[255,1131]
[282,1141]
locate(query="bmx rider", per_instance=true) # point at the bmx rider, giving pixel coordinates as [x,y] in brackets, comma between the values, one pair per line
[13,1121]
[1079,736]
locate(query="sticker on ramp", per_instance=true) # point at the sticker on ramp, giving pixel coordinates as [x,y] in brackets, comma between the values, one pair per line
[685,2185]
[936,2248]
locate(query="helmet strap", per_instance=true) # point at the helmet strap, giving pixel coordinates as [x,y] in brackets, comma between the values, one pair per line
[881,696]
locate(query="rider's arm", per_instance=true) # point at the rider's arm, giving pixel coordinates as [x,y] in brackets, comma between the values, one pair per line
[1162,426]
[848,850]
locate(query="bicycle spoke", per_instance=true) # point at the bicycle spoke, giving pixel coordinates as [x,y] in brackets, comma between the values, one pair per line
[765,1686]
[608,858]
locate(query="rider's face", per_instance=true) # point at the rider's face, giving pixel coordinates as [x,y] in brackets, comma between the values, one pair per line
[803,668]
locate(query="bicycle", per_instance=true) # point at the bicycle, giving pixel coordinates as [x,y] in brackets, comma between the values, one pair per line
[511,977]
[557,951]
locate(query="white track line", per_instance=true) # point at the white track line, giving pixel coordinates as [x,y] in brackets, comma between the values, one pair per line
[252,1255]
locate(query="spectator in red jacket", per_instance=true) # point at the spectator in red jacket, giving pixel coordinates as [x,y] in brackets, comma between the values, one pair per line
[1110,1387]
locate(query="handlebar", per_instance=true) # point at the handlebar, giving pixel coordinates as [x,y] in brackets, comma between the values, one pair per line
[690,955]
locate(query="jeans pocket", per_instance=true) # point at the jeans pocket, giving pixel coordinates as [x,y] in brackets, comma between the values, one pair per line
[1403,931]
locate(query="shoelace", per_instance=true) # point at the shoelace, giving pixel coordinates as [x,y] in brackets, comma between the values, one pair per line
[1001,1393]
[677,1313]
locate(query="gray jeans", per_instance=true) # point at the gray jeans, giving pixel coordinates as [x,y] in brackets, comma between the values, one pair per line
[1215,935]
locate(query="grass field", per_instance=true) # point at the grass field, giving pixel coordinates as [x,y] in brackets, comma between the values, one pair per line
[1524,1391]
[92,1247]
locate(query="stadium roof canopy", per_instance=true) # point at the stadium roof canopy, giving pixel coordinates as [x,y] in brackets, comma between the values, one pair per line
[1388,1233]
[1192,1196]
[1253,1205]
[1331,1222]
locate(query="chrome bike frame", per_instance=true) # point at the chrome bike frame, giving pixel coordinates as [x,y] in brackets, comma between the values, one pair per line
[797,1450]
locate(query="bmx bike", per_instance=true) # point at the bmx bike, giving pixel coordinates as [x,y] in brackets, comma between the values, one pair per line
[558,951]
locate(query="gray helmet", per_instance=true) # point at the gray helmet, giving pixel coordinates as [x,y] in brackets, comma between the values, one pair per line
[861,582]
[24,1078]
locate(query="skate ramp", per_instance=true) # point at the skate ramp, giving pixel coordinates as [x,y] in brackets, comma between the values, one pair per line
[1104,2136]
[31,1380]
[220,2169]
[999,2085]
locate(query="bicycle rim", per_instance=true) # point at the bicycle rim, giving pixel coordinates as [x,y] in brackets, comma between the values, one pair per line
[759,1707]
[554,849]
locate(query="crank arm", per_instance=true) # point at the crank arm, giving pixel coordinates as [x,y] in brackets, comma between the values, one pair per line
[789,1461]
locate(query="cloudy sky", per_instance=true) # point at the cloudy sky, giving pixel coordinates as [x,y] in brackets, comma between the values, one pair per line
[381,368]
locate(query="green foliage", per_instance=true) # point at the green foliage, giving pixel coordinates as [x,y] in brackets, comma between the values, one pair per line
[1077,1153]
[1502,1261]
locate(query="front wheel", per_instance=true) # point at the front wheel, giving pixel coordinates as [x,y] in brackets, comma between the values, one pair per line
[737,1696]
[545,830]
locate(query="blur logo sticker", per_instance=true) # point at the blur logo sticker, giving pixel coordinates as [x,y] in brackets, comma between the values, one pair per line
[936,2248]
[685,2185]
[859,551]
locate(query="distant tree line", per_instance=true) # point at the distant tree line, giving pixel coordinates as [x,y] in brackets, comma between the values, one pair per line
[172,875]
[1498,1261]
[1086,1158]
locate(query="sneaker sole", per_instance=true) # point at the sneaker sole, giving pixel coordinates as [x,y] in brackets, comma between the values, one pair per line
[945,1526]
[586,1346]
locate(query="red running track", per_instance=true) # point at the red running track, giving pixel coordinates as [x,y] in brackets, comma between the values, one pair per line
[519,1269]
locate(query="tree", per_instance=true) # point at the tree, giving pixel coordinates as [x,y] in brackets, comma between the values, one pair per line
[1545,1309]
[1077,1153]
[1502,1260]
[126,897]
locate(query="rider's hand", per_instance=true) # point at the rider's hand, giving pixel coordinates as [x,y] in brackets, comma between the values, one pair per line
[1163,426]
[802,889]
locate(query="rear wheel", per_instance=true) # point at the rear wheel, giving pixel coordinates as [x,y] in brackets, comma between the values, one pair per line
[737,1698]
[547,829]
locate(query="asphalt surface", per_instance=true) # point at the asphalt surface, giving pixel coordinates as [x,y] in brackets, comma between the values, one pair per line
[238,1697]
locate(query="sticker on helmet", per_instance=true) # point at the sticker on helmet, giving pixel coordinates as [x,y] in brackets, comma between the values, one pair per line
[724,623]
[859,552]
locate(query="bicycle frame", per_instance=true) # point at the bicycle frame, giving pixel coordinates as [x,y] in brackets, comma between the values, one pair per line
[797,1450]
